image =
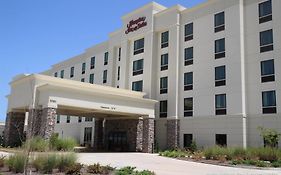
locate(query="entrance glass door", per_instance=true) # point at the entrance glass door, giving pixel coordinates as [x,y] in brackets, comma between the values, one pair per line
[117,141]
[88,136]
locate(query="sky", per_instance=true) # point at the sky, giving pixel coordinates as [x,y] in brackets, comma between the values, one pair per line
[35,34]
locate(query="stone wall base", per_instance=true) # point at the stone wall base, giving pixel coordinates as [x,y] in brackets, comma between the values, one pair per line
[173,127]
[148,135]
[41,122]
[14,129]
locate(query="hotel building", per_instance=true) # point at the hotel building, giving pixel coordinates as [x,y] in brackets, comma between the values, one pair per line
[209,73]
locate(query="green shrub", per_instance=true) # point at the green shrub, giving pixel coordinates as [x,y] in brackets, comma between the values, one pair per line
[268,154]
[173,153]
[276,163]
[98,169]
[270,136]
[53,142]
[217,152]
[144,172]
[38,162]
[74,169]
[37,144]
[236,162]
[125,171]
[108,169]
[250,162]
[67,144]
[65,160]
[262,164]
[237,153]
[16,162]
[193,146]
[49,163]
[131,170]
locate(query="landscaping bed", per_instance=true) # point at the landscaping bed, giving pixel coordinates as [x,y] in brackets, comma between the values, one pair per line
[60,164]
[253,157]
[54,156]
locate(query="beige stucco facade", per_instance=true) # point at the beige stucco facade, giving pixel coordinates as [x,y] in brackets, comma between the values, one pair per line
[110,67]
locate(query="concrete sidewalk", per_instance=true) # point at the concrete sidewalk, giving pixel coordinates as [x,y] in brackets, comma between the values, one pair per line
[167,166]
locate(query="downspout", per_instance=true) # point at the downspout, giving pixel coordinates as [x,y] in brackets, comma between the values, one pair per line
[243,73]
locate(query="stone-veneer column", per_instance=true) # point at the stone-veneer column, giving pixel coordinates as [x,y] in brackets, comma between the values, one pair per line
[139,136]
[148,135]
[14,127]
[173,127]
[98,134]
[41,122]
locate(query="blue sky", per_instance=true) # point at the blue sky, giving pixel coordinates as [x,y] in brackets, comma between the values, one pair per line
[35,34]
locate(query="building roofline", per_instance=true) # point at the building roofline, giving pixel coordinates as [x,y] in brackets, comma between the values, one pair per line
[53,81]
[177,7]
[153,4]
[199,6]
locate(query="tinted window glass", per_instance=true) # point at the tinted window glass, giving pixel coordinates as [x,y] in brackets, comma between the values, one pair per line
[265,8]
[220,73]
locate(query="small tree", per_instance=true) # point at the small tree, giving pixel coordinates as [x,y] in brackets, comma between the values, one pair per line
[193,146]
[270,136]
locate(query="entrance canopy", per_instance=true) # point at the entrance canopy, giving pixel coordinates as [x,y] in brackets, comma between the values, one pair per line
[116,111]
[76,98]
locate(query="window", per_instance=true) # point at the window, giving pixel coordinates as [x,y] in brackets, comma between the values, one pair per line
[139,46]
[269,102]
[220,76]
[58,118]
[221,139]
[104,77]
[266,41]
[105,61]
[83,68]
[71,72]
[188,56]
[138,67]
[82,79]
[119,54]
[165,39]
[187,140]
[62,73]
[88,119]
[137,86]
[68,119]
[93,61]
[188,107]
[88,135]
[219,22]
[267,71]
[56,74]
[265,11]
[92,78]
[163,109]
[164,61]
[118,73]
[79,119]
[188,81]
[188,32]
[164,85]
[220,104]
[220,48]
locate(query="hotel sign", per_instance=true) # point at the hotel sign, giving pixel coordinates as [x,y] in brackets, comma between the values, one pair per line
[134,25]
